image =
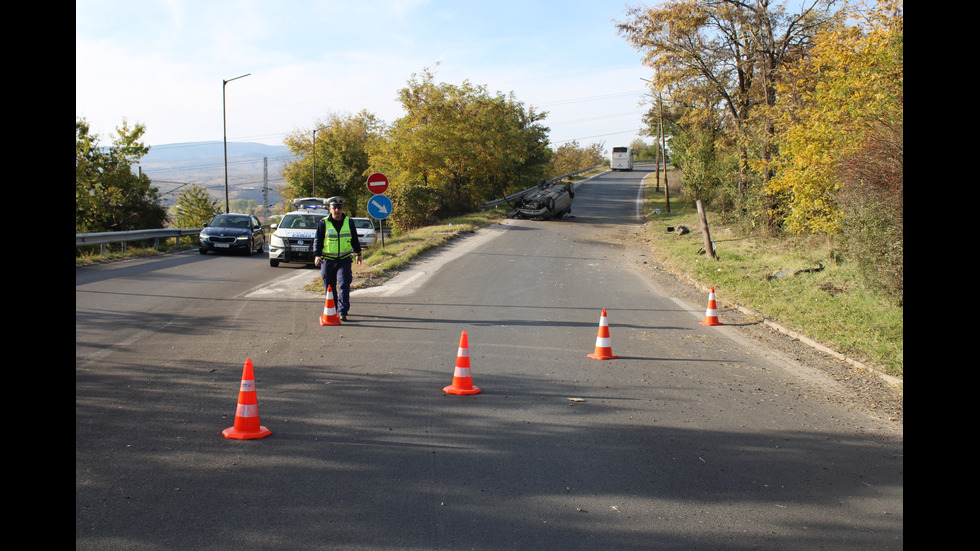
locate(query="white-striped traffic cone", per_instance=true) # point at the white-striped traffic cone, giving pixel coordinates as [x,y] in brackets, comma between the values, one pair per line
[603,344]
[711,314]
[247,426]
[330,315]
[462,379]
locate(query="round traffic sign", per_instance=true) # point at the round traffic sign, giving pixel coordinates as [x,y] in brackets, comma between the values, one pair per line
[379,207]
[377,183]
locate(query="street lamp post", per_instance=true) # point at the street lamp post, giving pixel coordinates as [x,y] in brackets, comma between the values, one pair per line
[224,122]
[314,163]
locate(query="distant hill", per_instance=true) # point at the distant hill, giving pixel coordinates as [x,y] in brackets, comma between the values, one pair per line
[171,166]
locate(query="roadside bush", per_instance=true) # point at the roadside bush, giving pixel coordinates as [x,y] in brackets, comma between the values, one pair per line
[871,199]
[418,206]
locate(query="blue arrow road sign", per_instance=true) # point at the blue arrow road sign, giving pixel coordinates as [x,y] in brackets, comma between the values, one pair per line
[379,207]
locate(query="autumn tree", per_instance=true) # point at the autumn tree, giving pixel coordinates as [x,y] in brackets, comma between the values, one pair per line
[696,150]
[643,150]
[109,195]
[457,147]
[194,208]
[841,99]
[571,157]
[841,161]
[333,159]
[728,50]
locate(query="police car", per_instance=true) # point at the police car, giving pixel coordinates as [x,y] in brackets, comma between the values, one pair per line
[292,237]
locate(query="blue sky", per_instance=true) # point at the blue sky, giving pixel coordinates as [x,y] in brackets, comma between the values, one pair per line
[162,63]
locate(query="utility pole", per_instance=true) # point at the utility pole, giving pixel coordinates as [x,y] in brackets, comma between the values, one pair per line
[663,143]
[661,146]
[313,194]
[265,187]
[656,144]
[224,122]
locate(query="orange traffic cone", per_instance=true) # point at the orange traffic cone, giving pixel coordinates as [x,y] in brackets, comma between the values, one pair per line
[603,350]
[711,314]
[330,315]
[462,381]
[247,425]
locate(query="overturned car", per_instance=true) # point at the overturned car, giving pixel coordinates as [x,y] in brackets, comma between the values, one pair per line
[545,201]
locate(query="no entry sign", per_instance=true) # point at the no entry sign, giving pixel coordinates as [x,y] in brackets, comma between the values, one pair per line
[377,183]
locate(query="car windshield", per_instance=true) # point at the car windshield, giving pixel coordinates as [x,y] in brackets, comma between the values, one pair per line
[227,221]
[300,221]
[362,223]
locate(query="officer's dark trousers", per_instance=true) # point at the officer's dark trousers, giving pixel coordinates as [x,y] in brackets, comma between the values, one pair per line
[337,274]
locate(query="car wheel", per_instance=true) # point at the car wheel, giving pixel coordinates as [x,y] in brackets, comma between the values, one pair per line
[203,251]
[274,263]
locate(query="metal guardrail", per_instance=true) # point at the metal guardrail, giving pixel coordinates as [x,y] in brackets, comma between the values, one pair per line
[104,238]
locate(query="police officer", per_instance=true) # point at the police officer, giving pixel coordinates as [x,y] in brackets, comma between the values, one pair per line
[334,247]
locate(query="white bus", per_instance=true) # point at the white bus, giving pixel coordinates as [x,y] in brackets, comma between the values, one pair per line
[622,158]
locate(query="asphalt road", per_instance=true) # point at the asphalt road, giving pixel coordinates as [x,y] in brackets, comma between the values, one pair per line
[691,439]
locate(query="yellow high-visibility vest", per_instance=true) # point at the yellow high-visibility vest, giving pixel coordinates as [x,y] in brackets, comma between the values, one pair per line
[337,245]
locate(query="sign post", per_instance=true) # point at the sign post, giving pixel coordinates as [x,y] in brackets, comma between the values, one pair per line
[379,206]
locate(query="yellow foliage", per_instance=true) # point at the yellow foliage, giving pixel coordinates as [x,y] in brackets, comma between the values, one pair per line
[851,81]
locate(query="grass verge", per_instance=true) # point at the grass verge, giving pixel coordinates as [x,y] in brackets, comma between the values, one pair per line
[88,255]
[796,281]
